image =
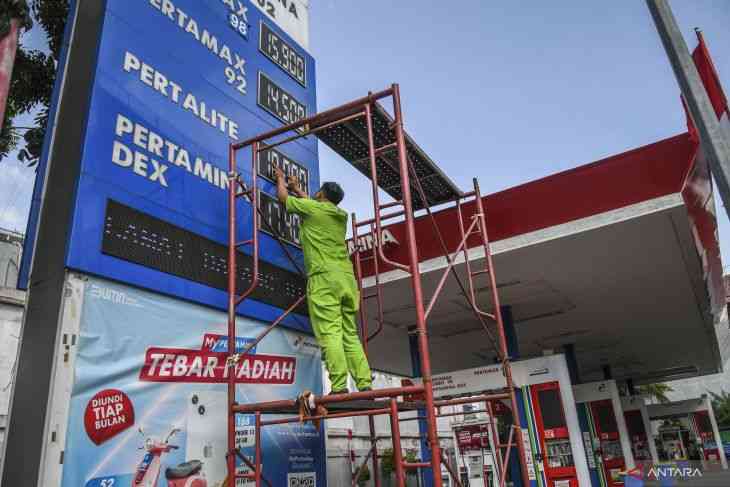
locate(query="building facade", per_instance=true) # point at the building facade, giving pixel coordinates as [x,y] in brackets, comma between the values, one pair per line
[11,316]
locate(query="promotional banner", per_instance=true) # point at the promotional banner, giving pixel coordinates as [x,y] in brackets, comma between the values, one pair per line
[148,405]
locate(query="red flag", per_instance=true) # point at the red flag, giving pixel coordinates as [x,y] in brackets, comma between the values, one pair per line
[711,81]
[709,76]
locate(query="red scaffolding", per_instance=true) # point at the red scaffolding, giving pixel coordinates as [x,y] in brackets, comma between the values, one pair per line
[364,134]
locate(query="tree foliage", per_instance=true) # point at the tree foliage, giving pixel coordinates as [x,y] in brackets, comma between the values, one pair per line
[387,462]
[31,86]
[657,391]
[363,475]
[721,406]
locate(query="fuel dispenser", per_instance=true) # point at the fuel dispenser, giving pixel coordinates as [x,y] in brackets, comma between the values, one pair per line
[605,434]
[639,438]
[557,453]
[612,457]
[700,418]
[475,454]
[703,427]
[637,434]
[643,446]
[674,439]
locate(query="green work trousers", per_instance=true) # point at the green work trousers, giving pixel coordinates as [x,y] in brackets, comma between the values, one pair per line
[333,300]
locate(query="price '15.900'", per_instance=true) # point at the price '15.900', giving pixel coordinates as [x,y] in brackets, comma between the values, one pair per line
[282,54]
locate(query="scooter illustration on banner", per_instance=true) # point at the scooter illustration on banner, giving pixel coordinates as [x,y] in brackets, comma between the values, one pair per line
[187,474]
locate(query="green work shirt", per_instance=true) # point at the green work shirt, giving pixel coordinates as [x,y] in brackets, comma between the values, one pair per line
[324,227]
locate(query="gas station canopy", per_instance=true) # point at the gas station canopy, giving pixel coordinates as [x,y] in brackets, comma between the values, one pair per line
[619,258]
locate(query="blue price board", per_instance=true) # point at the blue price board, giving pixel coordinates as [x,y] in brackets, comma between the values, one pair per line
[176,81]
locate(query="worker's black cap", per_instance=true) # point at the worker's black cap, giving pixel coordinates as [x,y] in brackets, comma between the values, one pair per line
[333,192]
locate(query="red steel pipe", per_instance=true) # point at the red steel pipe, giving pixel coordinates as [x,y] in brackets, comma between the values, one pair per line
[362,312]
[374,443]
[385,148]
[469,400]
[257,434]
[233,299]
[503,476]
[378,293]
[232,291]
[387,216]
[390,204]
[348,414]
[312,131]
[447,272]
[507,369]
[251,475]
[321,117]
[495,434]
[273,325]
[454,477]
[415,271]
[376,196]
[391,392]
[255,231]
[330,398]
[443,415]
[400,474]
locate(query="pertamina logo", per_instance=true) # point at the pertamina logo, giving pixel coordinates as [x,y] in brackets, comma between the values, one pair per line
[369,242]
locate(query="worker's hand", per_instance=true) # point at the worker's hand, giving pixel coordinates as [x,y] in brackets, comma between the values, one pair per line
[279,174]
[293,183]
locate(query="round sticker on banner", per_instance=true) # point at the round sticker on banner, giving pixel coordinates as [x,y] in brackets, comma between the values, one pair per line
[107,414]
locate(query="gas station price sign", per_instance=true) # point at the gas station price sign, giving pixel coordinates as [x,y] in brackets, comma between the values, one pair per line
[166,89]
[271,159]
[279,102]
[282,54]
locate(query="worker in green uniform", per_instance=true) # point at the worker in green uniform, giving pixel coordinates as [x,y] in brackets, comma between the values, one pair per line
[333,298]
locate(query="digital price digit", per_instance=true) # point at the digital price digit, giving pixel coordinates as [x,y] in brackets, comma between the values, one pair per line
[277,221]
[282,54]
[279,102]
[272,158]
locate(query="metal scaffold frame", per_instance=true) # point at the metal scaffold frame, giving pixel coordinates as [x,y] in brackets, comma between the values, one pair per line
[382,401]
